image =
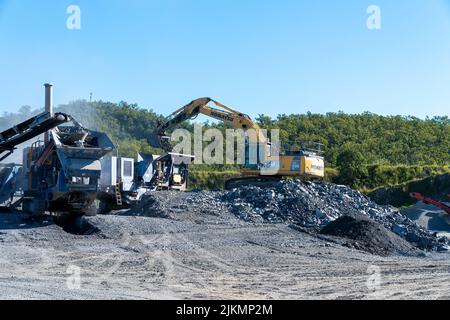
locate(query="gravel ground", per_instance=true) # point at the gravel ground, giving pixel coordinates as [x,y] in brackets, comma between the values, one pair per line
[199,252]
[429,217]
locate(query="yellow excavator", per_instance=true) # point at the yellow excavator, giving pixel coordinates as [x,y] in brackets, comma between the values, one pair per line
[269,166]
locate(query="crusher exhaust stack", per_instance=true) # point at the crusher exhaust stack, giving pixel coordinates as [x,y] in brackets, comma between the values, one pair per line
[48,105]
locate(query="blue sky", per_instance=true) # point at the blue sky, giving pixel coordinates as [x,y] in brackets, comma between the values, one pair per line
[259,56]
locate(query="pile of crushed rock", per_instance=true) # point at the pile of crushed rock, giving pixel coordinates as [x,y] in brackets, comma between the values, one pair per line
[364,234]
[312,205]
[308,206]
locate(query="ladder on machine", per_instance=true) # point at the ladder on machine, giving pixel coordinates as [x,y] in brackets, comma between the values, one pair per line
[118,194]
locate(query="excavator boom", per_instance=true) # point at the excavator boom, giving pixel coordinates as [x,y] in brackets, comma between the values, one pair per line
[201,106]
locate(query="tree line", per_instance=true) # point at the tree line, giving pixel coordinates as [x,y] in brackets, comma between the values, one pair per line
[352,143]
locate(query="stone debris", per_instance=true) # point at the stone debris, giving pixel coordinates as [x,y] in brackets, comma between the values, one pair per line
[312,205]
[169,204]
[308,206]
[364,234]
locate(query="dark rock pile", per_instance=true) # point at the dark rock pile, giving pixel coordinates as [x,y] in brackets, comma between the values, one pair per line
[308,206]
[153,204]
[311,206]
[365,234]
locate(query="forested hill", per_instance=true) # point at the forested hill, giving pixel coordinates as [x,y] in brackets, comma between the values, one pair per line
[378,139]
[382,140]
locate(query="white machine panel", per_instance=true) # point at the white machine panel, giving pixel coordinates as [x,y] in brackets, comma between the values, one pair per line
[109,171]
[127,173]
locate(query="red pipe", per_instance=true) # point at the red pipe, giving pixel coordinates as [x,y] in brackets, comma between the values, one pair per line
[427,200]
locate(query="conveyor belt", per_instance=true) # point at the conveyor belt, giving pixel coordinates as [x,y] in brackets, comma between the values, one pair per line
[27,130]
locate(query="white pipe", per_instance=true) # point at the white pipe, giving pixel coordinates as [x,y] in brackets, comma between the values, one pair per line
[48,105]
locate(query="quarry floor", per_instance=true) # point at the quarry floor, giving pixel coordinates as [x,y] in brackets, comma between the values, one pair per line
[201,256]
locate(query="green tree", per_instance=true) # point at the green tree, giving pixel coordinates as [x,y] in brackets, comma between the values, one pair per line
[352,167]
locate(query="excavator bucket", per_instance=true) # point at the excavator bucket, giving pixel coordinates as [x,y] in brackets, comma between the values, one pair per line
[158,141]
[154,140]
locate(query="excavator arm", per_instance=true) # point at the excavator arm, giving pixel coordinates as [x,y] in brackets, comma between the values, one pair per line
[199,106]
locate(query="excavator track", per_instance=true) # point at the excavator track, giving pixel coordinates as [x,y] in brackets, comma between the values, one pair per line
[258,181]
